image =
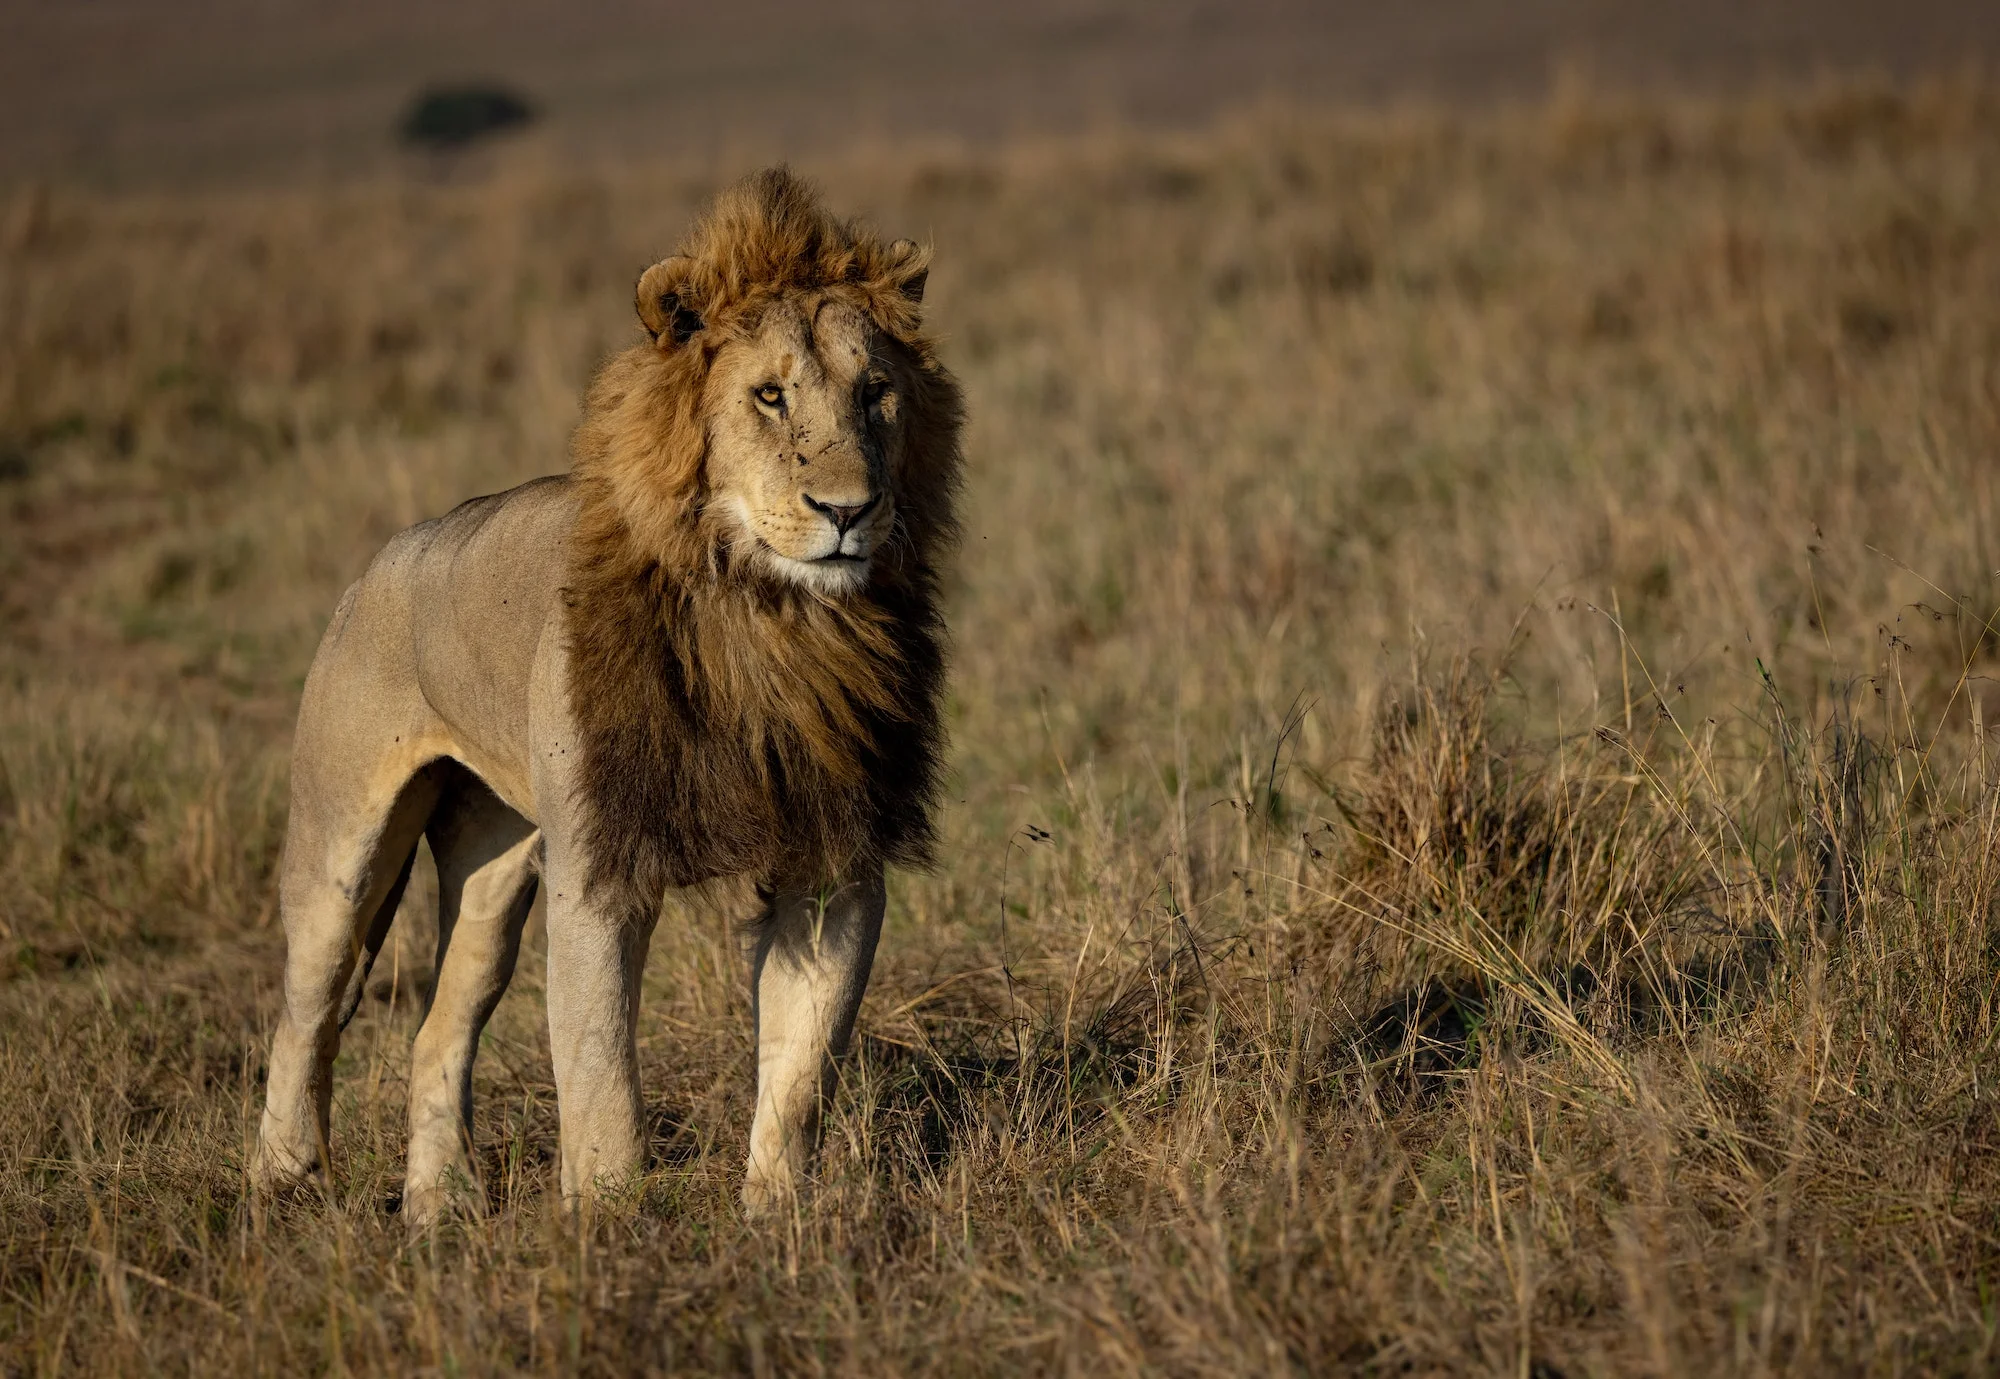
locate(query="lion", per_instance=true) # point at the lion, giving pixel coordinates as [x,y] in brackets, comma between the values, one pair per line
[713,649]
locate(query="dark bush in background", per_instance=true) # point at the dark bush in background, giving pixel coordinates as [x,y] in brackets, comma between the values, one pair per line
[451,117]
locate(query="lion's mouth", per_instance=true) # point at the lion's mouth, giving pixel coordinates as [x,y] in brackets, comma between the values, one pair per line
[830,558]
[840,559]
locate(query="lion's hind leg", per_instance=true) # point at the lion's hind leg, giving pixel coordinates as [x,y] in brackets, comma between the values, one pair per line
[348,850]
[488,858]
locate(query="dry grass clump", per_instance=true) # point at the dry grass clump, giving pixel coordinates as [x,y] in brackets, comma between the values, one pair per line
[1505,891]
[102,809]
[1472,830]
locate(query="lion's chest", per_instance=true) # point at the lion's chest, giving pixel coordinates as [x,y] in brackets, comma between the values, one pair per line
[705,757]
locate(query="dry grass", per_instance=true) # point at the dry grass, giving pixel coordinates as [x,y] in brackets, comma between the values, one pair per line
[1473,840]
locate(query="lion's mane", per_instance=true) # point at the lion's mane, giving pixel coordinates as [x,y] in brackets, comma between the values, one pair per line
[731,723]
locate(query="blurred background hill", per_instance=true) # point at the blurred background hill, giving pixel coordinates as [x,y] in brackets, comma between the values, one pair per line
[129,91]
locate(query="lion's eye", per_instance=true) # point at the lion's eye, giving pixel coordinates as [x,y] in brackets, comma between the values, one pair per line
[770,395]
[871,392]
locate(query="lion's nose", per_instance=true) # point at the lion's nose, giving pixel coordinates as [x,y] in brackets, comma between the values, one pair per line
[842,515]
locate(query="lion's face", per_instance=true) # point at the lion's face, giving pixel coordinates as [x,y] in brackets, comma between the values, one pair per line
[803,441]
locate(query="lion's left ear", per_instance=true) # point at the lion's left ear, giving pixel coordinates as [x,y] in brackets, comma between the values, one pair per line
[910,268]
[669,302]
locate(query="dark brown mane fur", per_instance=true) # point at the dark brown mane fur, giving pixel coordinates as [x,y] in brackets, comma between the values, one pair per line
[730,723]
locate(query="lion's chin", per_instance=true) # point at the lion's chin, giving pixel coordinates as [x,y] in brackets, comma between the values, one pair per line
[832,576]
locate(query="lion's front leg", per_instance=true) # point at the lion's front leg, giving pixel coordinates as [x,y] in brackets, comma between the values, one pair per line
[597,954]
[814,951]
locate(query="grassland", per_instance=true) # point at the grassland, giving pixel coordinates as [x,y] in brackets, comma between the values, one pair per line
[1473,836]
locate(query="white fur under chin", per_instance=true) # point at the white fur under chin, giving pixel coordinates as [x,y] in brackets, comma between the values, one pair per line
[827,577]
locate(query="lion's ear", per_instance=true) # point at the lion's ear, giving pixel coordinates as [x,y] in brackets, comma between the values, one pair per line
[669,306]
[911,268]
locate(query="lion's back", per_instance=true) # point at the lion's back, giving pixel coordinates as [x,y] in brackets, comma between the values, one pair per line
[506,545]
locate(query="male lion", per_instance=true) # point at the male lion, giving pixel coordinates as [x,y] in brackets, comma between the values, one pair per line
[714,649]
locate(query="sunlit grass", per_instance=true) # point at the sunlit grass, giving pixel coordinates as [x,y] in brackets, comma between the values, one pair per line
[1472,836]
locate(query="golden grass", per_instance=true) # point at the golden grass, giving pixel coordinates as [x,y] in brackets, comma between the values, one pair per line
[1473,839]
